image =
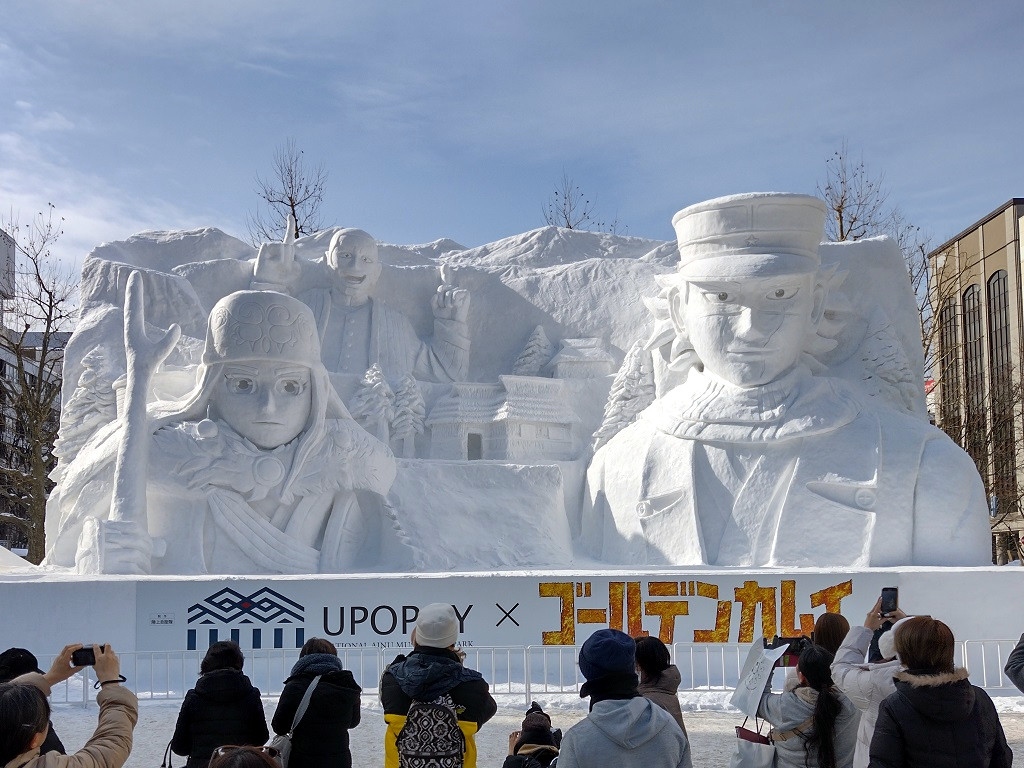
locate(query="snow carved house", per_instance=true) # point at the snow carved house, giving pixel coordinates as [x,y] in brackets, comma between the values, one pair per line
[520,418]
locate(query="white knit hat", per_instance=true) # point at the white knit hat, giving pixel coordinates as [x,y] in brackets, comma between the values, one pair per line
[437,626]
[887,640]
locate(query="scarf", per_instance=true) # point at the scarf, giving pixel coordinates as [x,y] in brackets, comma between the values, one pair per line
[316,664]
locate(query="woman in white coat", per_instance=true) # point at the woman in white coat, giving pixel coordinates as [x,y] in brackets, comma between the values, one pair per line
[866,685]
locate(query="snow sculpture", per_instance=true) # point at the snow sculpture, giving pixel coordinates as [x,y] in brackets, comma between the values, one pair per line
[359,330]
[410,413]
[259,469]
[374,403]
[535,355]
[747,458]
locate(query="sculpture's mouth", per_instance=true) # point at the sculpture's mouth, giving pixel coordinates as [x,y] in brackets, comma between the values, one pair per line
[355,279]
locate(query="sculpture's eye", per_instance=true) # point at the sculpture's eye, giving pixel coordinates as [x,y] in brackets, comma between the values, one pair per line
[241,385]
[721,297]
[367,259]
[782,293]
[291,387]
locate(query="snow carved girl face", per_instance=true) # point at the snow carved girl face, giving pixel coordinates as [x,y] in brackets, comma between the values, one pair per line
[265,401]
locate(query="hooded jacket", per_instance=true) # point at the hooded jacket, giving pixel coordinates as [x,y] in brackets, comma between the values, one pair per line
[786,711]
[866,685]
[663,692]
[321,737]
[625,732]
[111,742]
[223,708]
[1014,668]
[938,721]
[425,674]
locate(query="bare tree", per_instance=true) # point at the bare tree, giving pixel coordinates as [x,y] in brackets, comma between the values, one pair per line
[38,318]
[568,207]
[292,188]
[858,206]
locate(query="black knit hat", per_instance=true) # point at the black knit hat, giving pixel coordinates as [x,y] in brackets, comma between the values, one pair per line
[15,662]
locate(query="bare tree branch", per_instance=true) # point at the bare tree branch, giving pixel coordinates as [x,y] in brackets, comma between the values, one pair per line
[36,324]
[292,188]
[568,207]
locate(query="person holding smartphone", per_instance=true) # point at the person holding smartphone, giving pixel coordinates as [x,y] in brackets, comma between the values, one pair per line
[866,685]
[25,715]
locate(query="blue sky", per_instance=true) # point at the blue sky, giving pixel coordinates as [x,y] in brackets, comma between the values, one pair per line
[456,119]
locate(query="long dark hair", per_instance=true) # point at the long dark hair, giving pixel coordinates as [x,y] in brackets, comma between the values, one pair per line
[815,663]
[652,657]
[24,713]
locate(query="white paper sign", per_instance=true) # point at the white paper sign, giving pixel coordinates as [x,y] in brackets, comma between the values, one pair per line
[757,669]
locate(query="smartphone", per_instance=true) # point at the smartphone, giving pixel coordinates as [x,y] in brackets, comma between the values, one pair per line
[84,657]
[890,600]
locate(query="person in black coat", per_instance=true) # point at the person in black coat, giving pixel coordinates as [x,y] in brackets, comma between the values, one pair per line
[223,708]
[321,737]
[15,662]
[1014,668]
[936,718]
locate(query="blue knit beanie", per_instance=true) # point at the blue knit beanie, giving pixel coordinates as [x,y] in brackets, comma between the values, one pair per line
[607,652]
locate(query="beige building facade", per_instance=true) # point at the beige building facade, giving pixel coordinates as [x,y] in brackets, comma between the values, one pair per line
[978,332]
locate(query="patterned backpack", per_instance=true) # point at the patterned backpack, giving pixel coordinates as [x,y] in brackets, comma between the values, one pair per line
[431,737]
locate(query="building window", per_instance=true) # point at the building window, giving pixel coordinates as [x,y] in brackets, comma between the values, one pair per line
[1004,469]
[474,446]
[949,368]
[974,378]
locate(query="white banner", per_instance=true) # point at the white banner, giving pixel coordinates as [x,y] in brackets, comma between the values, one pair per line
[552,609]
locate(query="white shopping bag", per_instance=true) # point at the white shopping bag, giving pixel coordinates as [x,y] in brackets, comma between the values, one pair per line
[751,754]
[757,669]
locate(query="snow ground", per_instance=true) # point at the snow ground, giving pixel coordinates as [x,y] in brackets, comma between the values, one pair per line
[710,731]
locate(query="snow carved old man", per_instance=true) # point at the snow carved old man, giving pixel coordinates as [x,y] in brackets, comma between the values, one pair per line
[755,460]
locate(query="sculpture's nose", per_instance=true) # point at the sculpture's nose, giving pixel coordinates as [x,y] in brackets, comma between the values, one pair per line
[268,401]
[749,325]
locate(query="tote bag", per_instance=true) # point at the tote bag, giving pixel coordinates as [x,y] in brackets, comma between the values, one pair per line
[753,750]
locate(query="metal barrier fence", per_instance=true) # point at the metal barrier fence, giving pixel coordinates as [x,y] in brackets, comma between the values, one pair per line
[514,671]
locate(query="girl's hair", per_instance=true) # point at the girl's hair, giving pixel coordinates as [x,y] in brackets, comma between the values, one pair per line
[318,645]
[924,644]
[830,630]
[815,663]
[242,757]
[24,713]
[652,658]
[223,654]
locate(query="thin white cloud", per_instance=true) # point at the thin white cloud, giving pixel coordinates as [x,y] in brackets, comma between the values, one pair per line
[93,211]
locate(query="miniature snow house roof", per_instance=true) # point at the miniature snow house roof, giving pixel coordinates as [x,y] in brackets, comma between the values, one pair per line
[582,351]
[516,398]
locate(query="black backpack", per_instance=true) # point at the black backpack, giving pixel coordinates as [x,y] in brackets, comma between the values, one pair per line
[431,736]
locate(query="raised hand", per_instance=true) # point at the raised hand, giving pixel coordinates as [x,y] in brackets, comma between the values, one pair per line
[275,262]
[450,302]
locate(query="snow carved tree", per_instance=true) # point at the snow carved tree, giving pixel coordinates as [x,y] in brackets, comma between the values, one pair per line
[410,412]
[535,355]
[631,392]
[374,403]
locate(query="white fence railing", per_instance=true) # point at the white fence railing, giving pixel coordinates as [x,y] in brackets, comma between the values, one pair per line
[516,671]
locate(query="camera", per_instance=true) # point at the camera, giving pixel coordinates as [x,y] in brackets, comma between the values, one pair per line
[794,647]
[84,657]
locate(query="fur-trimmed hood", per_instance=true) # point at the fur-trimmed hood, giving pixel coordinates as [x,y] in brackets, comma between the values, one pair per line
[946,696]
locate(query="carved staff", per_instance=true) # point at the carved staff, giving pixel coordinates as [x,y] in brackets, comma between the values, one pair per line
[144,356]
